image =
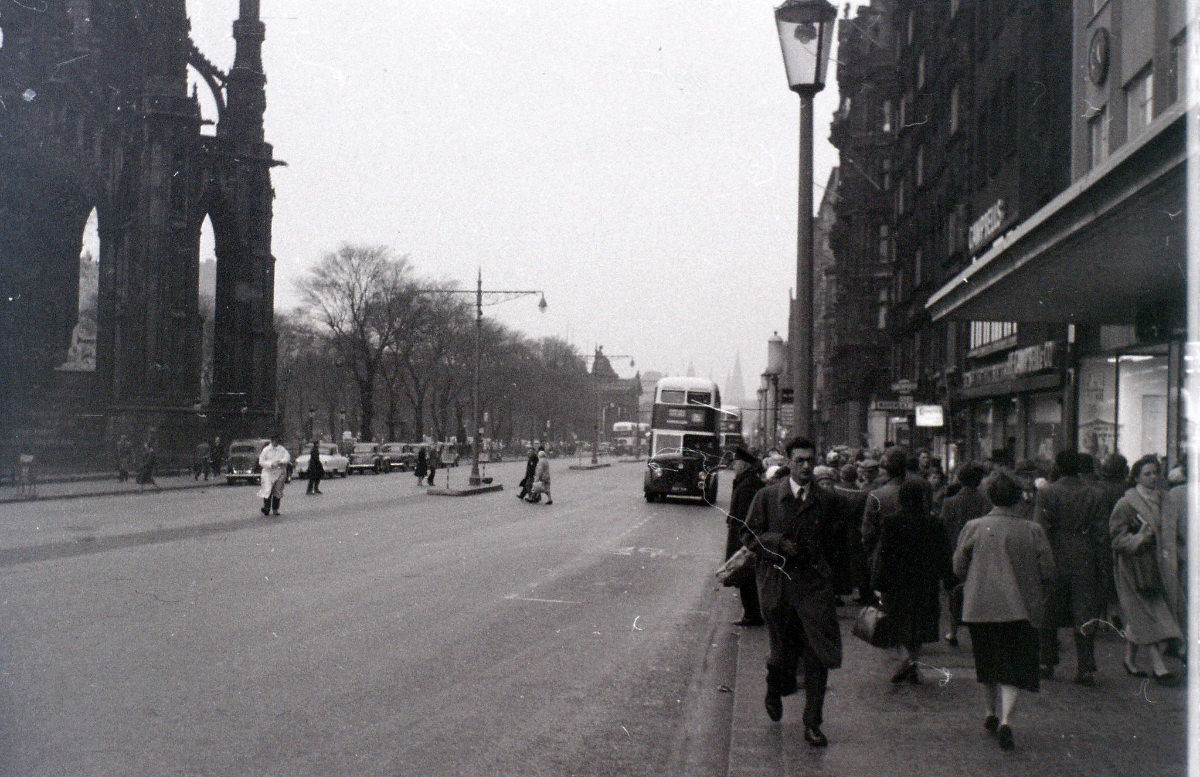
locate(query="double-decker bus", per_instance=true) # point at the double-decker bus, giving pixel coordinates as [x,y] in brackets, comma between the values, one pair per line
[731,428]
[627,436]
[685,442]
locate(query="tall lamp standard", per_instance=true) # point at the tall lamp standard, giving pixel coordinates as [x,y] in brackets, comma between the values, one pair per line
[805,32]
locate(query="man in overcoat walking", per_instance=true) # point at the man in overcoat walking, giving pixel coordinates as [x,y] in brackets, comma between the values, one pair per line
[747,480]
[793,528]
[1072,512]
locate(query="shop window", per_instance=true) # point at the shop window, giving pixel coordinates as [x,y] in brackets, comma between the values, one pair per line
[1044,427]
[1142,405]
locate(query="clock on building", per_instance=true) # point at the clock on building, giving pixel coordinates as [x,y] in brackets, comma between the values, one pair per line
[1098,54]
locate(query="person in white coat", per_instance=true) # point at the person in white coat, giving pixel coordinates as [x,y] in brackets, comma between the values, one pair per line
[541,479]
[273,460]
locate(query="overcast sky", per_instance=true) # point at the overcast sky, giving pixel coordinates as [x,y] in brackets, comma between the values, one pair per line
[636,160]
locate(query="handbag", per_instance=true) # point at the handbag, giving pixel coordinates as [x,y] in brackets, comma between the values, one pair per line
[874,626]
[738,569]
[1143,568]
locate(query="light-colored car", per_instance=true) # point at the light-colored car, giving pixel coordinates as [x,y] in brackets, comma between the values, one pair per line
[332,460]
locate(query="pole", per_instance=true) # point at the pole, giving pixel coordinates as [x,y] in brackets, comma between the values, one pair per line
[800,343]
[475,480]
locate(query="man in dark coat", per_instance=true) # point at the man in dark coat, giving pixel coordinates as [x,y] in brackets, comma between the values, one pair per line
[530,469]
[793,529]
[1072,512]
[1113,482]
[967,504]
[747,480]
[883,502]
[854,502]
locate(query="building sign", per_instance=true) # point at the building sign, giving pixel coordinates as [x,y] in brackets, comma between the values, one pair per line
[929,415]
[901,404]
[905,386]
[1023,361]
[986,226]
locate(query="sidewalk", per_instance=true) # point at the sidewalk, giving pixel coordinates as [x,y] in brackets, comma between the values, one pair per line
[1122,726]
[98,485]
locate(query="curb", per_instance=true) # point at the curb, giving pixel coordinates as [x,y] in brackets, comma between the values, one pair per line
[106,492]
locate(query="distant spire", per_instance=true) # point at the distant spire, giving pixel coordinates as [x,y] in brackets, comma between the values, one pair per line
[736,387]
[246,87]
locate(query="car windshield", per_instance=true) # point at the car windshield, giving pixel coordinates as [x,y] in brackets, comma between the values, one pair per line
[243,449]
[364,448]
[328,450]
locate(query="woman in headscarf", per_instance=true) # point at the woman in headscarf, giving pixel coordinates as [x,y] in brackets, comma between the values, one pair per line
[1145,539]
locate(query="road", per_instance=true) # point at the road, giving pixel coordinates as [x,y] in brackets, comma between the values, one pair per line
[375,630]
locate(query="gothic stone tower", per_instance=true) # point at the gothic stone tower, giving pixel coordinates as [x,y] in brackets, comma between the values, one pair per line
[96,116]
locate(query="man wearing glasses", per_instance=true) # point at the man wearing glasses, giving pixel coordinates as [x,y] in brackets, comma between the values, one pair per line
[793,529]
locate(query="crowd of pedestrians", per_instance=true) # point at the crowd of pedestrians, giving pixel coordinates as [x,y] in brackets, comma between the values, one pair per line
[1013,552]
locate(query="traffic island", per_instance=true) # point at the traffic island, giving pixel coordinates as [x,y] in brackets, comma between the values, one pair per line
[465,491]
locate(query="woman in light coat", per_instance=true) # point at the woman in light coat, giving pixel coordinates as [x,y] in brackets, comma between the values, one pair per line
[1007,565]
[541,478]
[273,460]
[1145,539]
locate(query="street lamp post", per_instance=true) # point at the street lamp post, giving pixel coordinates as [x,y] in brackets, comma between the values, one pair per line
[805,32]
[474,479]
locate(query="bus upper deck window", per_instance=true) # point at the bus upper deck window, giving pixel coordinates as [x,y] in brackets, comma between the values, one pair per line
[699,398]
[671,397]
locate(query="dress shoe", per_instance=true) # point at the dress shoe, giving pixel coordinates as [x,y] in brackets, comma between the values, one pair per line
[275,512]
[1132,670]
[1087,679]
[991,723]
[903,672]
[264,511]
[813,736]
[1004,734]
[1168,680]
[774,705]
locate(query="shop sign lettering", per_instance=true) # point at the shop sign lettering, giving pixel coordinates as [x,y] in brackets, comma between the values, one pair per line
[1023,361]
[986,226]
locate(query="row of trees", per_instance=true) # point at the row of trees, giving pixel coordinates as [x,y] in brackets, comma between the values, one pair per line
[385,353]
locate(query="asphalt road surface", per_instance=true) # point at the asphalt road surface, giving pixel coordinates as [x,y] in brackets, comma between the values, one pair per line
[375,630]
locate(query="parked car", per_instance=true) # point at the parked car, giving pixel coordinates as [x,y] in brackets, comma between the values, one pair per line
[367,457]
[241,465]
[400,455]
[332,461]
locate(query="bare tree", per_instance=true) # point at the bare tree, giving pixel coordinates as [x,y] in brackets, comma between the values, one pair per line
[363,296]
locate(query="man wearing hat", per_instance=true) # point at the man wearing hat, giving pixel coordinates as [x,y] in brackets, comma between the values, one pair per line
[746,483]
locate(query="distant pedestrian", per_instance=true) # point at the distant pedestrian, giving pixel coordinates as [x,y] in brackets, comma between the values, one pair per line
[124,458]
[217,456]
[432,463]
[747,481]
[541,480]
[273,462]
[316,471]
[1007,564]
[854,502]
[913,559]
[530,470]
[145,475]
[421,468]
[202,461]
[1146,541]
[792,529]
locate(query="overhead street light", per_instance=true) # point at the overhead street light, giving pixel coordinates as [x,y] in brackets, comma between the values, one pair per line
[805,36]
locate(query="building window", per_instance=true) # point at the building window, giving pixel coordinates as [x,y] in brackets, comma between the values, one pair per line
[902,122]
[993,335]
[954,109]
[921,71]
[881,324]
[911,27]
[1098,138]
[920,166]
[953,8]
[1176,75]
[887,116]
[1139,102]
[885,254]
[918,266]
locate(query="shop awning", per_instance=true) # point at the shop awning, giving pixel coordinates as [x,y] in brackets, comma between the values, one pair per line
[1108,248]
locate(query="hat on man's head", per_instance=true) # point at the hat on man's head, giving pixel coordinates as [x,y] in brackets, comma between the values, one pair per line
[741,453]
[868,464]
[821,472]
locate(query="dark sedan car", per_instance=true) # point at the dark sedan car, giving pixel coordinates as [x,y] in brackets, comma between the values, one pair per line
[675,473]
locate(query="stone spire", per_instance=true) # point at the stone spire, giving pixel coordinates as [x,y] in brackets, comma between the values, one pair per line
[246,93]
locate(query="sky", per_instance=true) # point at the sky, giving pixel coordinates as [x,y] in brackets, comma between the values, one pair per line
[636,161]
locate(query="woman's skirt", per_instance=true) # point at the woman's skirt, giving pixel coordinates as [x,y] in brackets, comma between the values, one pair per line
[1006,654]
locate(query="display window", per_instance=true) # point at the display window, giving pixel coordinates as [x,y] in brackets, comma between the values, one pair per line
[1123,404]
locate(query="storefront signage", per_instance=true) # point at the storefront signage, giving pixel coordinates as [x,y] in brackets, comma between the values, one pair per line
[893,405]
[1023,361]
[929,415]
[986,226]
